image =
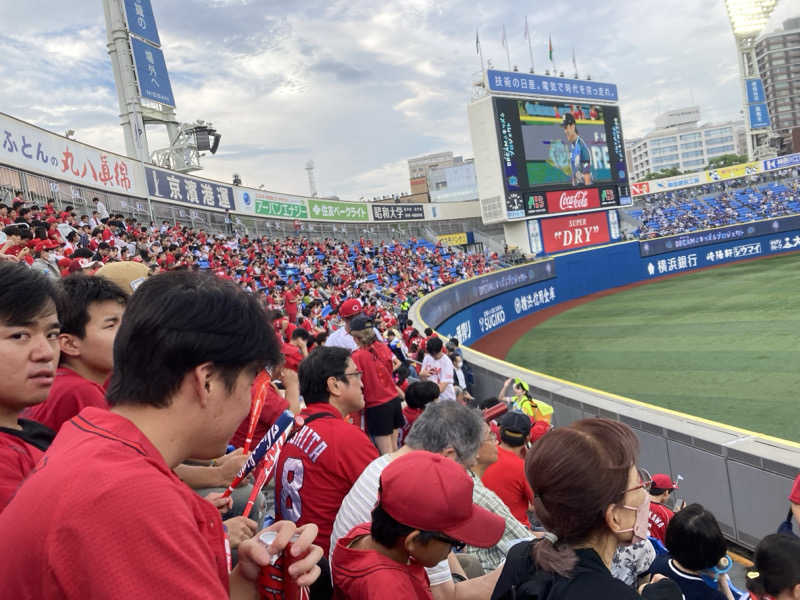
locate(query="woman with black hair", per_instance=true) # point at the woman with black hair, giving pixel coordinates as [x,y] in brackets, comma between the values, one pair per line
[776,569]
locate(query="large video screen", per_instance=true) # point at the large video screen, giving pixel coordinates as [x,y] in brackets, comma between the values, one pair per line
[560,156]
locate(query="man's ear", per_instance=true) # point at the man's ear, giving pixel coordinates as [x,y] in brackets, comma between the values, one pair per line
[70,344]
[411,541]
[201,381]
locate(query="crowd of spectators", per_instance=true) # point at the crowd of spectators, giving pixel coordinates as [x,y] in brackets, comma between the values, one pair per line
[132,382]
[717,205]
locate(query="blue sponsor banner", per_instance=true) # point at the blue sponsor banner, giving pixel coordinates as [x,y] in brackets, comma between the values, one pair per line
[202,193]
[456,297]
[782,162]
[151,71]
[542,85]
[759,116]
[141,22]
[713,236]
[755,91]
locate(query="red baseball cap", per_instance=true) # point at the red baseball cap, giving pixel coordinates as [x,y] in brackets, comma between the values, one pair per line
[350,308]
[663,482]
[445,507]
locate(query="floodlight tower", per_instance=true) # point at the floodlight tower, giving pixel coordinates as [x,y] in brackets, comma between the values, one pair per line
[312,182]
[748,19]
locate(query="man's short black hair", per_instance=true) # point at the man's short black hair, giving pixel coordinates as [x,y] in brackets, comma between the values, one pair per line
[178,320]
[569,119]
[434,346]
[78,291]
[24,294]
[320,364]
[300,333]
[386,531]
[694,538]
[654,491]
[421,393]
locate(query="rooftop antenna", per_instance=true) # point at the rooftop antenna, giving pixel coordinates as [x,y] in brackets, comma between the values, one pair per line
[312,184]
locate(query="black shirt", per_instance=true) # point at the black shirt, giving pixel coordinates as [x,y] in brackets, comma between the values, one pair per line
[32,432]
[590,580]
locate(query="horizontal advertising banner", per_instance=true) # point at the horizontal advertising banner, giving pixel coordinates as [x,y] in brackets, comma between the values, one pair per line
[782,162]
[572,200]
[542,85]
[398,212]
[38,151]
[733,171]
[271,204]
[713,236]
[456,297]
[202,193]
[456,239]
[331,210]
[574,231]
[681,181]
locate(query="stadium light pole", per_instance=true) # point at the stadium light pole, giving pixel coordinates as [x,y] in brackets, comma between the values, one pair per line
[748,19]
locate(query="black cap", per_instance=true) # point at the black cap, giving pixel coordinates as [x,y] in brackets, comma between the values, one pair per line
[361,322]
[515,422]
[569,119]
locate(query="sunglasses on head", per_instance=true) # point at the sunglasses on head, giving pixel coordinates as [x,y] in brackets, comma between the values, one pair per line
[457,545]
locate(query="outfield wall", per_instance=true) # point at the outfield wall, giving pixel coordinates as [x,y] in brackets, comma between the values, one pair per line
[742,476]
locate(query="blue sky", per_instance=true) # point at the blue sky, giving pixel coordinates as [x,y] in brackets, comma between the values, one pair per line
[359,87]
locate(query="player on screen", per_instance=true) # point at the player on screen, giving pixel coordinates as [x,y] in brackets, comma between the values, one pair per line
[580,158]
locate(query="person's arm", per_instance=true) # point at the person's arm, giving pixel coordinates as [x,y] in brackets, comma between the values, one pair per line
[502,393]
[479,588]
[291,385]
[217,475]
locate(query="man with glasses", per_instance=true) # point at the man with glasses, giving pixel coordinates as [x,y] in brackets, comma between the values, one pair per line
[321,461]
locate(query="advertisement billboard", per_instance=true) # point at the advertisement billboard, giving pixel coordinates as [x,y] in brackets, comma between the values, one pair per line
[141,22]
[574,231]
[332,210]
[755,91]
[398,212]
[552,146]
[271,204]
[175,187]
[544,85]
[759,116]
[151,73]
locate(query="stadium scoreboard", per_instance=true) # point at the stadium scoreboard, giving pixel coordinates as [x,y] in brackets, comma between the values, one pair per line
[557,142]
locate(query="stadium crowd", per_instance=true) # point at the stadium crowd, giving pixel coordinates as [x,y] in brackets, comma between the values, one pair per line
[141,365]
[717,205]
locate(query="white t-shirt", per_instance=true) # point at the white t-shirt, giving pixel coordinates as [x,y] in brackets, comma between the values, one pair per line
[441,371]
[341,339]
[357,508]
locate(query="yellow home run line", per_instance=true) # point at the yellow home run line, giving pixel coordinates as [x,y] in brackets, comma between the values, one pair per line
[668,411]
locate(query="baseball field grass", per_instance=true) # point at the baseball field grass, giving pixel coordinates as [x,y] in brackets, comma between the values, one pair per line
[722,343]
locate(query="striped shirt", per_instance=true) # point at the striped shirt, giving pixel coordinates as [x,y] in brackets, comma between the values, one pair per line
[491,558]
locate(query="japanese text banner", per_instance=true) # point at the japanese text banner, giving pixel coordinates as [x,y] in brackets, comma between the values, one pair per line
[398,212]
[202,193]
[39,151]
[576,231]
[272,204]
[332,210]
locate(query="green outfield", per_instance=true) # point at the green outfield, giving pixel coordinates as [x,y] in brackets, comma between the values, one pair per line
[723,344]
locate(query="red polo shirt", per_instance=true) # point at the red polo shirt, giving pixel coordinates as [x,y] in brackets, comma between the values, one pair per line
[658,520]
[367,574]
[506,478]
[20,450]
[274,405]
[317,467]
[293,356]
[103,516]
[69,395]
[375,364]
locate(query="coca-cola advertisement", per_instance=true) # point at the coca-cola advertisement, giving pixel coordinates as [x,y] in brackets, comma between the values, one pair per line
[573,200]
[574,231]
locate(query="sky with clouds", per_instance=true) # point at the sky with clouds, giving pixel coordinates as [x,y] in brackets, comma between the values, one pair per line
[357,86]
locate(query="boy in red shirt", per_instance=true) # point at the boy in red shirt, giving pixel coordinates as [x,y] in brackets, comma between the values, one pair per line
[90,310]
[296,349]
[418,395]
[181,385]
[411,530]
[383,407]
[506,477]
[28,357]
[661,489]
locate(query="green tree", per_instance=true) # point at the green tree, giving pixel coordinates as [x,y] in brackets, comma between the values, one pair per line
[726,160]
[670,172]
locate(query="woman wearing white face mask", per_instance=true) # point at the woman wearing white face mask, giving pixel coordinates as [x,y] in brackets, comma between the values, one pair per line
[589,496]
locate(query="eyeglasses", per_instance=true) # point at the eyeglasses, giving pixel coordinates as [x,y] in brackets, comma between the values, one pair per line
[457,545]
[352,374]
[644,484]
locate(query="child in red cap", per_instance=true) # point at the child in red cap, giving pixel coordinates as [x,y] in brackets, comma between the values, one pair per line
[411,530]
